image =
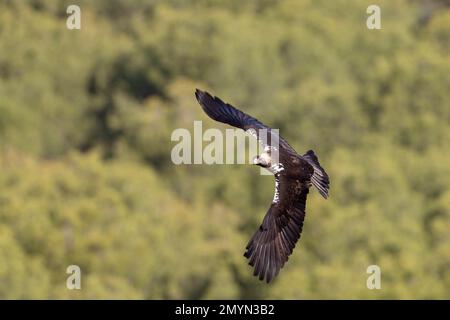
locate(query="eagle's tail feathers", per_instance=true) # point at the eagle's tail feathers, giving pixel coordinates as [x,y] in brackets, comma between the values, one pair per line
[319,178]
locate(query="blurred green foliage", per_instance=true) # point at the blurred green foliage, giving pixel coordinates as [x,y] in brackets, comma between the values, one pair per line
[85,124]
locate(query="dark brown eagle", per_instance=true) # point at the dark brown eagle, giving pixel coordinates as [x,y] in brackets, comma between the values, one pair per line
[270,247]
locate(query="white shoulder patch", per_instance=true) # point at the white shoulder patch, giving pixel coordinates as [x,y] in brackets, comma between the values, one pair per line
[277,168]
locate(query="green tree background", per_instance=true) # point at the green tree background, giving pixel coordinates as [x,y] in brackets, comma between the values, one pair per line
[85,123]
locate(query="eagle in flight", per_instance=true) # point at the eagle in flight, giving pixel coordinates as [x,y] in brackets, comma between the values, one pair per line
[272,244]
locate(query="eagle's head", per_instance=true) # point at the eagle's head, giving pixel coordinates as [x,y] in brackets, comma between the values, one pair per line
[264,160]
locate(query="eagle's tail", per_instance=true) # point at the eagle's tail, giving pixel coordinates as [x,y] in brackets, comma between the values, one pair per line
[319,178]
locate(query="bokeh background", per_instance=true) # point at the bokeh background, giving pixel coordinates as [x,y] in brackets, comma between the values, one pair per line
[86,118]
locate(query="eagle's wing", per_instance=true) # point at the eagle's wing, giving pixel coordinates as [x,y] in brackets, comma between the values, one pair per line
[223,112]
[270,247]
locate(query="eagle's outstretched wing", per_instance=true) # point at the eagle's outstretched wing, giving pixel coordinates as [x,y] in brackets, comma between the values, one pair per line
[272,244]
[223,112]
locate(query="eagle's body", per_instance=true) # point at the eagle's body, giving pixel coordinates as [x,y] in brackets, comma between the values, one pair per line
[272,244]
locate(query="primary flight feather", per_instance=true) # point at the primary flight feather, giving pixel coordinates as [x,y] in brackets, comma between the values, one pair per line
[273,242]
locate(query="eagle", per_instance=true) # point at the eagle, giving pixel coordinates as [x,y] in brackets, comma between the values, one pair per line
[272,244]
